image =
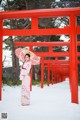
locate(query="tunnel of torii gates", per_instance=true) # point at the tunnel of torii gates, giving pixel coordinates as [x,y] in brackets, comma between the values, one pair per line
[59,68]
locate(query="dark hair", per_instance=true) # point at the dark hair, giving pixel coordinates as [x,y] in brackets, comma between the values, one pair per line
[27,55]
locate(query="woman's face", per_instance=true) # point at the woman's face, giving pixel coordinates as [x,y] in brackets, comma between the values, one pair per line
[27,58]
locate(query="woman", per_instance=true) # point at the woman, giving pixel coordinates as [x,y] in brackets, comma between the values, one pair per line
[28,59]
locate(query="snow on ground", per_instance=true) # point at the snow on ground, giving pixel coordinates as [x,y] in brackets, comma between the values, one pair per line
[49,103]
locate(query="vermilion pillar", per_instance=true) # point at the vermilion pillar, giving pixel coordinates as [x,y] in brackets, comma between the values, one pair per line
[48,74]
[73,61]
[0,59]
[42,72]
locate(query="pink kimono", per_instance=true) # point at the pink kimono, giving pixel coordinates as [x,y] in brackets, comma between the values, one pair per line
[25,77]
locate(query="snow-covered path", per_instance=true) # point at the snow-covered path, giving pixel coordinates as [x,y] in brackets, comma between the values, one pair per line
[49,103]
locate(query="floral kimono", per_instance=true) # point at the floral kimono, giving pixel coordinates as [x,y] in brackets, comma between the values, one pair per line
[25,77]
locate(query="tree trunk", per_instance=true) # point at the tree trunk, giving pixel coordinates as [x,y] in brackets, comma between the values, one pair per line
[15,64]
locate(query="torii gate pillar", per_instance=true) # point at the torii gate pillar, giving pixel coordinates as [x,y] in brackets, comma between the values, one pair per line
[73,61]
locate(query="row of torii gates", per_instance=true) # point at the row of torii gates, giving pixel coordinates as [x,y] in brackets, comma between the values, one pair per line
[61,68]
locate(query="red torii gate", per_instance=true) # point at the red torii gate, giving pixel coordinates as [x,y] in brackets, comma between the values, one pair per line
[49,63]
[72,30]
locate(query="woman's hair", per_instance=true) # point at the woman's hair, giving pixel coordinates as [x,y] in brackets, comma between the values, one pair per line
[27,55]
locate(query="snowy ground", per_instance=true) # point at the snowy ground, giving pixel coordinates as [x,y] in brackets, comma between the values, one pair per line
[49,103]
